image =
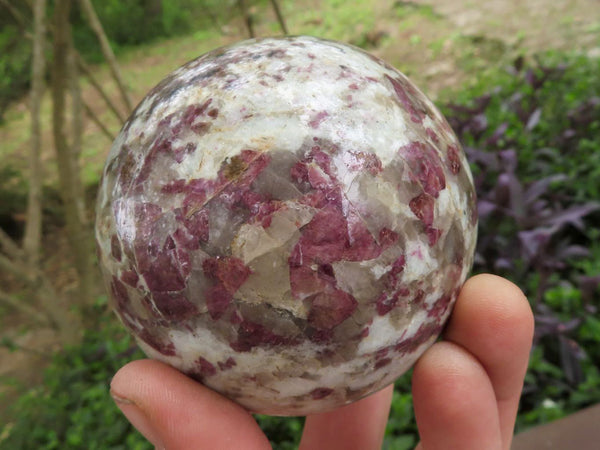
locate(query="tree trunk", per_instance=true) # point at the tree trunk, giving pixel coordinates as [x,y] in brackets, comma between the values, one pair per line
[76,127]
[76,102]
[247,17]
[33,226]
[96,26]
[72,195]
[280,18]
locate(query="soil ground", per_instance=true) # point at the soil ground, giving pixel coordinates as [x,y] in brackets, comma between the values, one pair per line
[441,45]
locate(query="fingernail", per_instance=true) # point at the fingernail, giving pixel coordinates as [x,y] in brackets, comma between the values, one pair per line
[137,418]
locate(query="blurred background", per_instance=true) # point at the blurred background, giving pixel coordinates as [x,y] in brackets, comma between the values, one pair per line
[518,81]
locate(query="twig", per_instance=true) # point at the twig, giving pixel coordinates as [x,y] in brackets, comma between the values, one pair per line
[33,226]
[247,17]
[92,115]
[15,13]
[96,26]
[9,246]
[280,18]
[88,73]
[23,307]
[17,271]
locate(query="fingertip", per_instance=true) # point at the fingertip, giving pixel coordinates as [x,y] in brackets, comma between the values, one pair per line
[123,390]
[500,300]
[124,381]
[493,320]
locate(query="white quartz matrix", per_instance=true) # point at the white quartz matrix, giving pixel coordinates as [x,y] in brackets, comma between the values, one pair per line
[288,221]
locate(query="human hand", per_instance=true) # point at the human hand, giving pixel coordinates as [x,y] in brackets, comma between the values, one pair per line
[466,390]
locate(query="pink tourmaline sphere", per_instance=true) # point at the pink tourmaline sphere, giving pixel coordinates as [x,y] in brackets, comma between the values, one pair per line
[289,221]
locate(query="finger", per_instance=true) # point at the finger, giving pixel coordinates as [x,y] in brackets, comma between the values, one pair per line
[454,401]
[360,425]
[493,321]
[176,412]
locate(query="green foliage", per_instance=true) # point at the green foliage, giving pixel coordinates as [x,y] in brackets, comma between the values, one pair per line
[555,386]
[15,58]
[548,114]
[12,190]
[405,10]
[73,408]
[401,431]
[132,23]
[340,20]
[283,432]
[564,140]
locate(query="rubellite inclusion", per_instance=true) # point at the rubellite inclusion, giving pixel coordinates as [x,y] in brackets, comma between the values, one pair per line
[287,220]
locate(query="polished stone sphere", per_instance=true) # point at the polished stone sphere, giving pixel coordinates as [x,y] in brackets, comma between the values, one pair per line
[287,220]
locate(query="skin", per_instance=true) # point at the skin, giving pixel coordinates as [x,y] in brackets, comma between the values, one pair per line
[466,390]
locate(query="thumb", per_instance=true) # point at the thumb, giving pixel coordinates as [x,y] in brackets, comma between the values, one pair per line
[175,412]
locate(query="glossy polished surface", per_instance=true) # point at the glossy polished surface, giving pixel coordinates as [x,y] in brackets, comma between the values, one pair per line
[287,220]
